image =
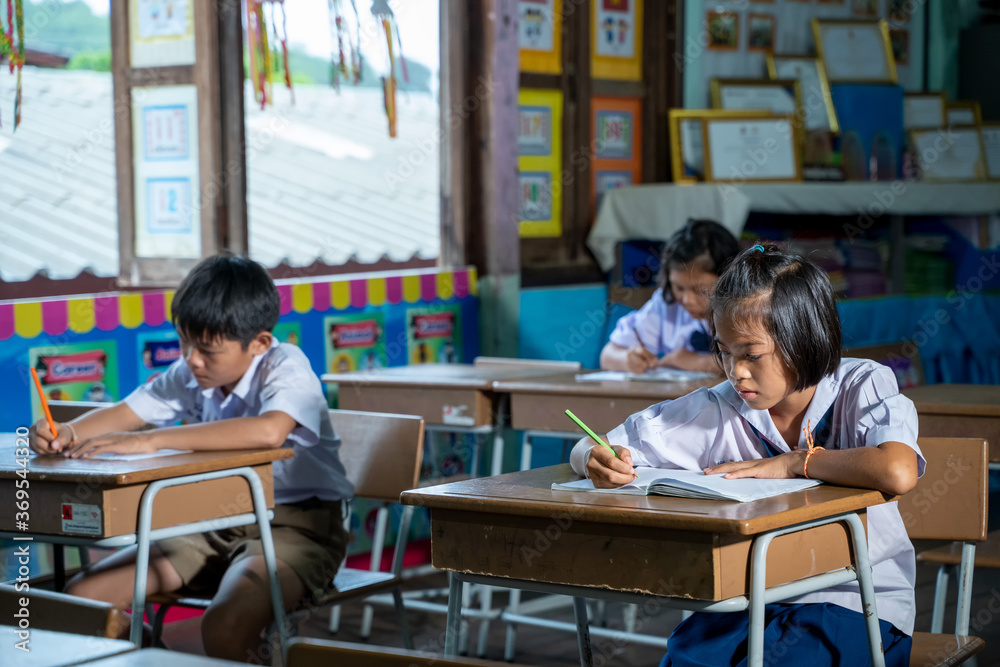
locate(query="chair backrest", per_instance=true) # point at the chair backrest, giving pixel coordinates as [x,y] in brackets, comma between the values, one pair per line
[310,652]
[381,452]
[64,411]
[902,357]
[61,613]
[568,366]
[950,501]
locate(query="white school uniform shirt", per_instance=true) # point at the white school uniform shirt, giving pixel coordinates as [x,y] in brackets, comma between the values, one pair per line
[280,379]
[663,327]
[859,405]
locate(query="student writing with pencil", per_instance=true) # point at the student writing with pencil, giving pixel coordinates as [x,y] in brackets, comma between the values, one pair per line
[671,329]
[791,407]
[236,387]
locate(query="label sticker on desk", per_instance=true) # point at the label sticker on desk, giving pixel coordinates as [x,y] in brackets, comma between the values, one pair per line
[81,519]
[455,415]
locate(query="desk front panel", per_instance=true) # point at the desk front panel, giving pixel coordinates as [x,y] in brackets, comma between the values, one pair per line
[454,406]
[94,510]
[689,564]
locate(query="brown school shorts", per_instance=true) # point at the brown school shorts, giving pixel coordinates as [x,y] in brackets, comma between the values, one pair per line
[309,536]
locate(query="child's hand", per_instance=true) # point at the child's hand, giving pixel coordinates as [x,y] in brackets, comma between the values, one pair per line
[608,472]
[41,440]
[117,443]
[639,359]
[784,466]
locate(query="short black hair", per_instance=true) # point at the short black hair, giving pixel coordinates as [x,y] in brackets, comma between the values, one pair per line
[693,241]
[227,297]
[792,299]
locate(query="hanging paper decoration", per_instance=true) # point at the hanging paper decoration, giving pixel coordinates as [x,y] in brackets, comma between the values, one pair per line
[262,60]
[383,14]
[357,61]
[283,40]
[14,50]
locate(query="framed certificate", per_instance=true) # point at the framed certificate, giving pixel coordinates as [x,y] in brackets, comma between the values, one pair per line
[758,149]
[964,113]
[924,111]
[990,133]
[781,96]
[687,157]
[814,89]
[949,156]
[855,51]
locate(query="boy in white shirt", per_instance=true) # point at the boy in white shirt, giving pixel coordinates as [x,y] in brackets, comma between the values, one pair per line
[235,387]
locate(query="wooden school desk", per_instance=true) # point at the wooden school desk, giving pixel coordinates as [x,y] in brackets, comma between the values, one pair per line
[959,411]
[108,503]
[57,649]
[514,531]
[157,657]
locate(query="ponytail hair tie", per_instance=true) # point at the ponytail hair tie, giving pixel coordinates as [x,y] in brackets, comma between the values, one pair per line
[758,247]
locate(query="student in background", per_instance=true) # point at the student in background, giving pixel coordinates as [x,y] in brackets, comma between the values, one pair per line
[778,339]
[237,387]
[671,328]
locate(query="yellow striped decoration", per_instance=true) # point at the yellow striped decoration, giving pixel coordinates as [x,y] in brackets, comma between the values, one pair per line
[376,291]
[340,295]
[130,312]
[411,289]
[473,281]
[302,297]
[445,285]
[168,305]
[28,318]
[81,315]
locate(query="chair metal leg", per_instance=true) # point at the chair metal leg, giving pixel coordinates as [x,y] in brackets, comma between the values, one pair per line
[583,632]
[964,605]
[378,543]
[404,628]
[630,613]
[940,598]
[334,625]
[454,621]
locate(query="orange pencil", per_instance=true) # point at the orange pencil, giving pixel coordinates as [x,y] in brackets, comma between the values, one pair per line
[45,404]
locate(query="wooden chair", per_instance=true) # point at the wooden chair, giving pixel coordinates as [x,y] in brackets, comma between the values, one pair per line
[905,363]
[949,503]
[310,652]
[382,454]
[62,613]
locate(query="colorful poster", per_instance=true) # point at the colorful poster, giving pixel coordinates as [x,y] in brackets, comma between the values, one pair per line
[613,134]
[289,332]
[616,145]
[610,180]
[165,132]
[617,40]
[76,372]
[539,144]
[433,335]
[354,342]
[156,352]
[161,33]
[540,35]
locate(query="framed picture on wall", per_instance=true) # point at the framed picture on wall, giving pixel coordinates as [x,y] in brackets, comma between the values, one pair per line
[687,157]
[780,96]
[723,31]
[900,42]
[899,10]
[961,159]
[814,89]
[865,8]
[963,113]
[990,133]
[924,111]
[855,51]
[760,32]
[762,149]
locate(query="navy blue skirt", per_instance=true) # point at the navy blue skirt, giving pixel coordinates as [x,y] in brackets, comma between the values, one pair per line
[818,635]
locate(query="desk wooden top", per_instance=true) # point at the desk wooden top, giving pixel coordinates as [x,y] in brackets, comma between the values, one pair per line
[57,649]
[567,384]
[969,400]
[158,657]
[529,493]
[440,376]
[103,472]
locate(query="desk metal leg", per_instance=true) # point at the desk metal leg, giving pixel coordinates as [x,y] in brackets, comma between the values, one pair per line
[58,567]
[454,622]
[583,631]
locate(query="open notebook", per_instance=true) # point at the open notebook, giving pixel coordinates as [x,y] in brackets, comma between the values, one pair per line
[694,484]
[658,375]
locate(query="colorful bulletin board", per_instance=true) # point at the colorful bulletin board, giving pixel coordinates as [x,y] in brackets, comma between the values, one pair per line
[539,147]
[540,35]
[616,127]
[617,40]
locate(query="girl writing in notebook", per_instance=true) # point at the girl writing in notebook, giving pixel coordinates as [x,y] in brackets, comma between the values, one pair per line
[777,338]
[671,329]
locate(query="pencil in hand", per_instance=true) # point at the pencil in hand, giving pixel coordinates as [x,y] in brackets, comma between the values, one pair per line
[586,429]
[45,403]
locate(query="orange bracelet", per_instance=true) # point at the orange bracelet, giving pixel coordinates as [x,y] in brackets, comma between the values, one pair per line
[805,466]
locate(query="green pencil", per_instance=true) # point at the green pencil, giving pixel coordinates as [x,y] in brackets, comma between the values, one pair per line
[586,429]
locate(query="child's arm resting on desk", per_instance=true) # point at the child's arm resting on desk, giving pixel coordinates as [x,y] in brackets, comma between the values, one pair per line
[890,467]
[114,418]
[269,430]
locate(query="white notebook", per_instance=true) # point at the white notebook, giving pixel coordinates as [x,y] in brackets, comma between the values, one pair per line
[694,484]
[658,375]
